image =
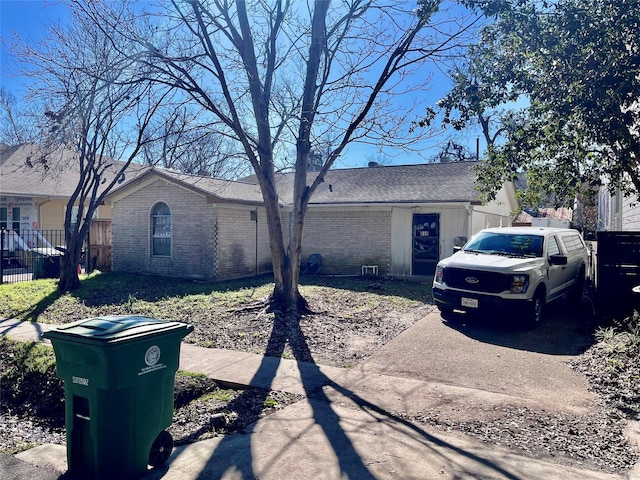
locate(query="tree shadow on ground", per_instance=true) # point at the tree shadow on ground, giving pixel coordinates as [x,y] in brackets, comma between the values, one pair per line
[225,460]
[32,313]
[10,327]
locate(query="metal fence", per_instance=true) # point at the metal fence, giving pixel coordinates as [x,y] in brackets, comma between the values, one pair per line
[30,254]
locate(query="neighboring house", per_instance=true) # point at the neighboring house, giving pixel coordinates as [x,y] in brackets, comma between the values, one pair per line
[617,213]
[547,217]
[399,219]
[544,216]
[30,197]
[34,199]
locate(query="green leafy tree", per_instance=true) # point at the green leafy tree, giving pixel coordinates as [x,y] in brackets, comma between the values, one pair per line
[555,87]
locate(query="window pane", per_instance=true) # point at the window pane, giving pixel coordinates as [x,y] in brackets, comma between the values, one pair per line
[161,230]
[3,218]
[161,209]
[15,219]
[162,246]
[161,226]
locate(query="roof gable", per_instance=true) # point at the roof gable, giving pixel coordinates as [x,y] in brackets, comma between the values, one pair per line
[215,188]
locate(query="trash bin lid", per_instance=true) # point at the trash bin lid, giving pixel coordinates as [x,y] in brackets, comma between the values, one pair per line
[47,252]
[114,328]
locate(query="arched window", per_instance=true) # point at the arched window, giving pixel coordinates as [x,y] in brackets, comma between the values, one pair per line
[161,230]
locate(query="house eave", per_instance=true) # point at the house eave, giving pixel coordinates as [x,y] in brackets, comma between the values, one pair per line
[395,204]
[212,199]
[37,195]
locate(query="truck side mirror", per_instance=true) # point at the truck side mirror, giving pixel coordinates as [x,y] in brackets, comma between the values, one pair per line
[558,259]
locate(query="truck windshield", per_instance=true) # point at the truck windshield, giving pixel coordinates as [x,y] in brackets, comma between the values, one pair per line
[492,243]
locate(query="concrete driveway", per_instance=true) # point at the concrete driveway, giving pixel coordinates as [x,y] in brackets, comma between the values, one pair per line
[516,366]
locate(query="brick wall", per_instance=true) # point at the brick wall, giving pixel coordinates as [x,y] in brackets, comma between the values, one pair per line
[264,250]
[349,239]
[241,235]
[193,233]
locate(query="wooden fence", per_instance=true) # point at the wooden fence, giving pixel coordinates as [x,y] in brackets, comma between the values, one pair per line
[617,272]
[100,244]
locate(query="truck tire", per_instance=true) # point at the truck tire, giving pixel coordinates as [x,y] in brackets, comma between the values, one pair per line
[534,315]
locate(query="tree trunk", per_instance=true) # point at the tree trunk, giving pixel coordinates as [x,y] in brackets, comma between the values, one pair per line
[285,297]
[69,262]
[69,279]
[286,292]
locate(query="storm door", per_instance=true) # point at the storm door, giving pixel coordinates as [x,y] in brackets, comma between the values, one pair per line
[426,243]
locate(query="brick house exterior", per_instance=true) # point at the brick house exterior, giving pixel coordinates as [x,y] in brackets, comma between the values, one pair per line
[217,227]
[400,219]
[349,238]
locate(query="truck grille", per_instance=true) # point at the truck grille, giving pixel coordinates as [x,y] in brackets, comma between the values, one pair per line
[478,281]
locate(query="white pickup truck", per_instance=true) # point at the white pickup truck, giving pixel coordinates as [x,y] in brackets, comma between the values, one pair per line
[512,270]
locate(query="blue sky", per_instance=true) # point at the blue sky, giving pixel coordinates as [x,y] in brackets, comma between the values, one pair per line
[29,19]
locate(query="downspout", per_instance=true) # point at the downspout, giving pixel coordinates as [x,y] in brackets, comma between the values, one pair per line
[256,219]
[469,228]
[40,212]
[88,261]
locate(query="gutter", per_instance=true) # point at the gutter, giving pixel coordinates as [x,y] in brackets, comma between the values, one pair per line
[412,204]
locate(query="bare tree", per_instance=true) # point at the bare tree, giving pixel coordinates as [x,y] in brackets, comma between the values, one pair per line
[282,73]
[453,151]
[378,160]
[187,146]
[98,110]
[16,126]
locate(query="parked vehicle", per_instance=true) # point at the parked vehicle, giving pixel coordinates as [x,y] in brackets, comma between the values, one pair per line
[515,270]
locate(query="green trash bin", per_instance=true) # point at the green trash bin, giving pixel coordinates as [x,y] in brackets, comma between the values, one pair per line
[119,376]
[46,263]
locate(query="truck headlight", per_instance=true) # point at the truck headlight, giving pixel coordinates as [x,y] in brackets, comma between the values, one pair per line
[439,274]
[519,283]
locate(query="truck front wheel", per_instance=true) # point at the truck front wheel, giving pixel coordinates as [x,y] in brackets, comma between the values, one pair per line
[534,315]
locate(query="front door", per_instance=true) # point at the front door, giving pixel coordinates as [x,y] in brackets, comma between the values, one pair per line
[426,243]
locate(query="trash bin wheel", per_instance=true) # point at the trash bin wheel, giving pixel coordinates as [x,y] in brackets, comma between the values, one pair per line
[161,449]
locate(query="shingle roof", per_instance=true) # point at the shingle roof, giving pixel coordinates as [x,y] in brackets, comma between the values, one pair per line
[424,183]
[22,172]
[226,190]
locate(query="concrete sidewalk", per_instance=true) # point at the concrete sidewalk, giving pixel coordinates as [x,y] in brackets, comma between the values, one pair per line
[345,428]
